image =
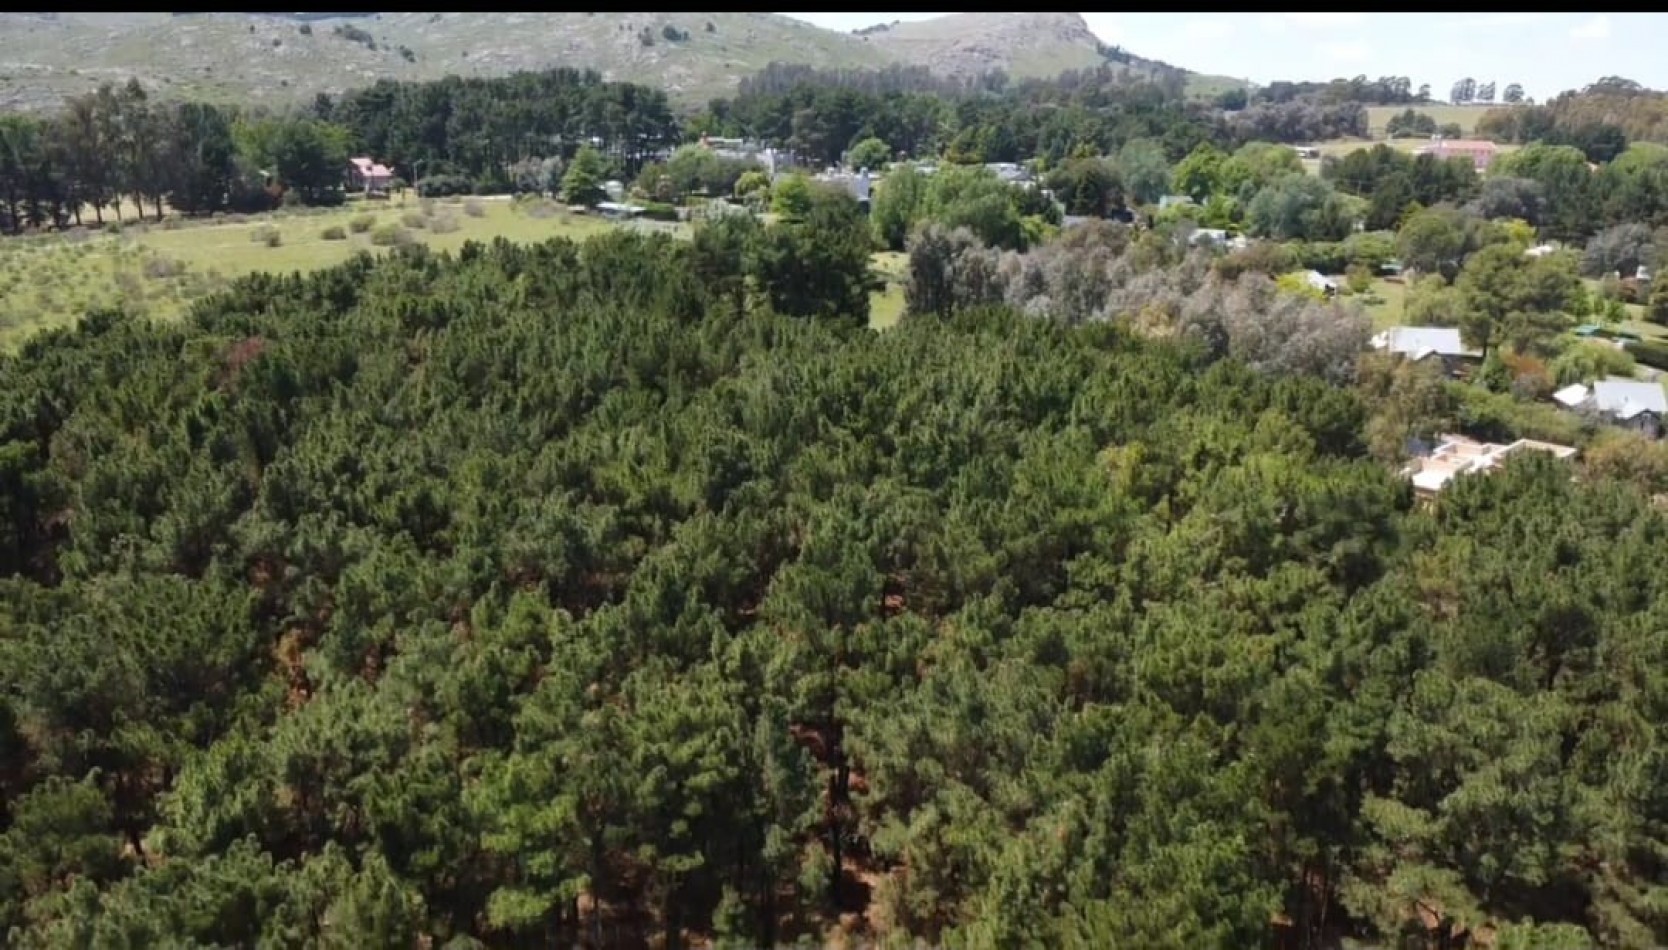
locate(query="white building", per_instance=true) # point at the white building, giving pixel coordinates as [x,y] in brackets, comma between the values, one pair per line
[1457,455]
[1630,403]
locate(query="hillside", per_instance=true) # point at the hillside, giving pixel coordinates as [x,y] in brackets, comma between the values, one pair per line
[275,57]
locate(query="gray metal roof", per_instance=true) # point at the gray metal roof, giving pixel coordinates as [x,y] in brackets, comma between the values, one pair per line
[1626,398]
[1419,342]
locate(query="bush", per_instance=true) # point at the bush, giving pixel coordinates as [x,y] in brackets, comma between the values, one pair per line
[390,235]
[268,235]
[1653,353]
[1328,257]
[439,186]
[443,224]
[1297,283]
[474,208]
[362,223]
[336,233]
[659,211]
[1588,360]
[414,219]
[162,268]
[1263,257]
[1358,278]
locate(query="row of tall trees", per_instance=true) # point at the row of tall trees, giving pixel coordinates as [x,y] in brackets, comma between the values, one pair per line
[120,148]
[479,127]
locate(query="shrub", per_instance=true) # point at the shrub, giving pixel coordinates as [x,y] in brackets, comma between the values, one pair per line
[474,209]
[439,186]
[1328,257]
[1652,353]
[1297,283]
[443,224]
[162,268]
[336,233]
[1263,257]
[268,235]
[389,235]
[1358,278]
[1588,360]
[657,211]
[362,223]
[414,219]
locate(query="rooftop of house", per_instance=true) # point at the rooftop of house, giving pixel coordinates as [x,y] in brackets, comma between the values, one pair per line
[1463,145]
[1457,455]
[371,168]
[1627,398]
[1571,396]
[1619,397]
[1416,343]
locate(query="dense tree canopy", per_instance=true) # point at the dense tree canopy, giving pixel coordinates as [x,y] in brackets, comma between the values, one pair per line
[568,593]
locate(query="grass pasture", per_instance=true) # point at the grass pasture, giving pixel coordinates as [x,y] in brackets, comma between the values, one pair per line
[1390,303]
[1463,116]
[886,306]
[159,269]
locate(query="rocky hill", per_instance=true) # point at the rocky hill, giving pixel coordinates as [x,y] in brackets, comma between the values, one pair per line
[275,57]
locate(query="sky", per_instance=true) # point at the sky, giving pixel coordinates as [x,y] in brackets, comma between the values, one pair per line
[1546,53]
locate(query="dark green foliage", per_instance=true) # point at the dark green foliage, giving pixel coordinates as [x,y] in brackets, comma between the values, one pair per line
[1650,352]
[656,211]
[432,601]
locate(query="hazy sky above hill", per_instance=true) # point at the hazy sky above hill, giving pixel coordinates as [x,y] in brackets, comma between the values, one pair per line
[1545,52]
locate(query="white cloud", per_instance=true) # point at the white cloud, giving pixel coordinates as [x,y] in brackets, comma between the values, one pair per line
[1598,28]
[1323,20]
[1207,31]
[1345,53]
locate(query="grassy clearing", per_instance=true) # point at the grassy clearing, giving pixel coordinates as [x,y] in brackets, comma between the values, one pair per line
[1390,302]
[886,306]
[1635,314]
[1463,116]
[1201,86]
[160,269]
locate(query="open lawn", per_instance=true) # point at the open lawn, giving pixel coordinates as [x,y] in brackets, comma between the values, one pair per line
[886,306]
[159,269]
[1635,314]
[1384,303]
[1463,116]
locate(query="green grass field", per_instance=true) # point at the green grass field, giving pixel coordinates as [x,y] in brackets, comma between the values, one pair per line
[886,306]
[158,270]
[1389,305]
[1463,116]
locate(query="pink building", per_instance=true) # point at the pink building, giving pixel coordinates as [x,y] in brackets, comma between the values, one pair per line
[368,176]
[1480,151]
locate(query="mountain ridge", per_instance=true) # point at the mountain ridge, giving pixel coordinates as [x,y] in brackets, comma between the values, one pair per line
[279,57]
